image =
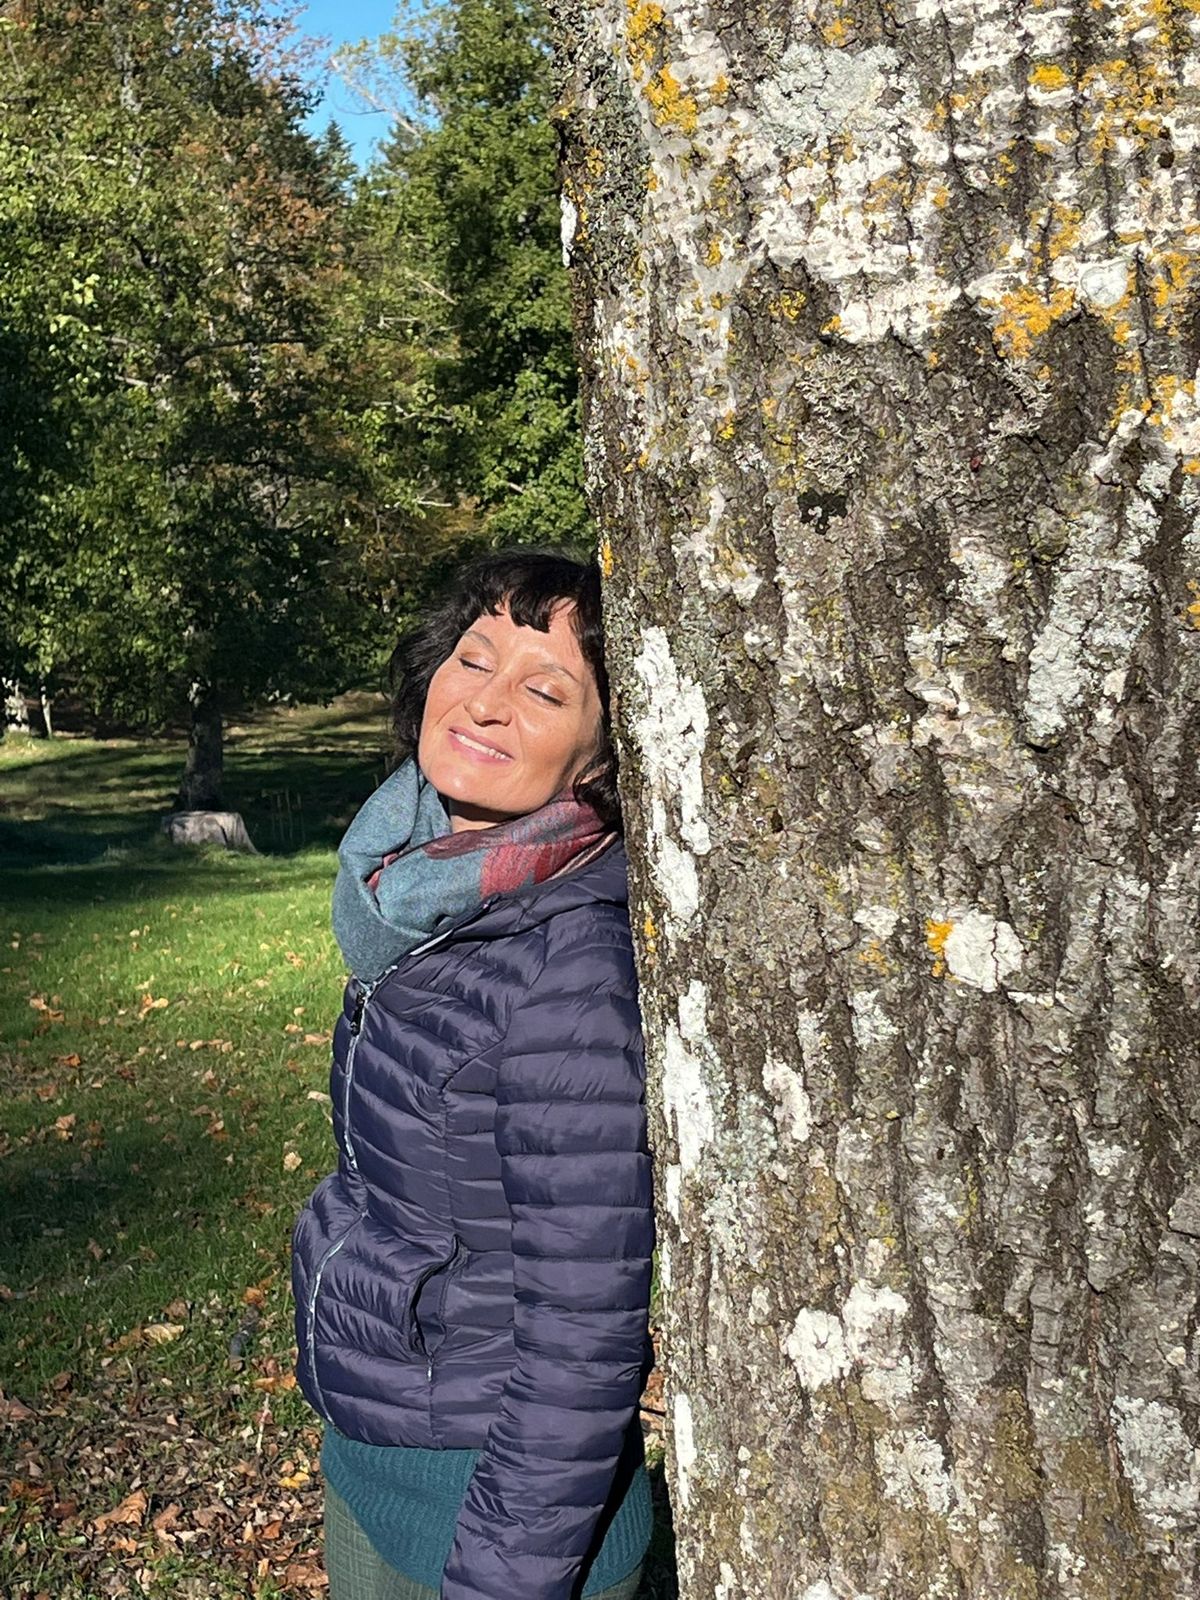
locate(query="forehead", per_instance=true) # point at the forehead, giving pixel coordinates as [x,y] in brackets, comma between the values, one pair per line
[560,643]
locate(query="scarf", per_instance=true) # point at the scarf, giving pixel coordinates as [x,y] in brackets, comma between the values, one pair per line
[403,875]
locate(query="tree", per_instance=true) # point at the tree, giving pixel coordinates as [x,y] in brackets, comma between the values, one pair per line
[459,239]
[185,546]
[889,325]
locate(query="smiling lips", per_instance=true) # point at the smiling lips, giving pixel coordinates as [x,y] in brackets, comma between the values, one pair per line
[476,748]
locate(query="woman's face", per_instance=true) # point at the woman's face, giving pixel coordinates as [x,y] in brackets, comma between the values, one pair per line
[529,699]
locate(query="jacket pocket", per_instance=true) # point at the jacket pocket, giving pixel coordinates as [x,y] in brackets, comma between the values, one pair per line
[427,1290]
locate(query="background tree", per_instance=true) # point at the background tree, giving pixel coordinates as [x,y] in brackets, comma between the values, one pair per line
[889,318]
[460,240]
[178,233]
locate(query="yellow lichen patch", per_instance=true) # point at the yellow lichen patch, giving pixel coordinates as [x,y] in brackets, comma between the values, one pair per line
[728,425]
[932,358]
[936,934]
[1191,613]
[719,92]
[671,106]
[838,32]
[1048,77]
[606,557]
[1026,316]
[872,954]
[1167,389]
[714,253]
[1192,466]
[649,934]
[788,303]
[833,325]
[644,22]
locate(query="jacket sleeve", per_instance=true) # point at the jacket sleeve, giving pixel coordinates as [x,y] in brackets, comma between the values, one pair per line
[571,1136]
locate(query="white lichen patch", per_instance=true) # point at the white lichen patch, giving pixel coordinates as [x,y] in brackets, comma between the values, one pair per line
[1160,1464]
[685,1445]
[816,1347]
[686,1099]
[817,89]
[879,920]
[670,729]
[979,949]
[568,222]
[793,1109]
[868,1335]
[871,1024]
[912,1470]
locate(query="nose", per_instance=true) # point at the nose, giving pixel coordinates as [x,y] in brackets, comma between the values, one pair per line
[489,699]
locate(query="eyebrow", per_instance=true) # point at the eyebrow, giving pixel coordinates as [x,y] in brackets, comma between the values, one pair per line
[543,661]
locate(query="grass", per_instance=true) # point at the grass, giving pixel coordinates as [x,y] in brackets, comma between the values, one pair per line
[164,1036]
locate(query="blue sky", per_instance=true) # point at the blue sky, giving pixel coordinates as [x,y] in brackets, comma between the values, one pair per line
[343,21]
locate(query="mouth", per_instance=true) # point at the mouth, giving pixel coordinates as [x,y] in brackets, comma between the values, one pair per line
[478,748]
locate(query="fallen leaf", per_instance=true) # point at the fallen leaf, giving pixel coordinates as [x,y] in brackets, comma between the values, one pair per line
[13,1410]
[162,1332]
[69,1061]
[316,1038]
[291,1161]
[64,1125]
[166,1519]
[128,1514]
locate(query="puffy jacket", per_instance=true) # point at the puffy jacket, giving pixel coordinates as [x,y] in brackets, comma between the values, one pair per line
[476,1272]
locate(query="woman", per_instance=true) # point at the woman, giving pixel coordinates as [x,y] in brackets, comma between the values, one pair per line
[472,1283]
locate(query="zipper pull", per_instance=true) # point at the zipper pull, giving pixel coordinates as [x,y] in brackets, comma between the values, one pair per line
[360,1005]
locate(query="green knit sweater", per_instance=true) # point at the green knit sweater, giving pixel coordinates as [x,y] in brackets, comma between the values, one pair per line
[407,1501]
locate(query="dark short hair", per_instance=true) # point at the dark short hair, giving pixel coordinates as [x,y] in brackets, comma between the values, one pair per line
[531,582]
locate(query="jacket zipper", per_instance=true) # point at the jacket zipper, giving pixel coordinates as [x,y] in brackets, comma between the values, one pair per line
[362,1000]
[314,1290]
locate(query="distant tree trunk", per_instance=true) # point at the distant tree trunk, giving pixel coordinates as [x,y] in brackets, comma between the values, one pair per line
[204,770]
[889,322]
[16,709]
[47,705]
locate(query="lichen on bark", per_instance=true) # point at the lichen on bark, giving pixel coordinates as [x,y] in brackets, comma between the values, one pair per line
[888,318]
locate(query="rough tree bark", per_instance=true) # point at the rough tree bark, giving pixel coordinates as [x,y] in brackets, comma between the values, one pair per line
[889,316]
[204,769]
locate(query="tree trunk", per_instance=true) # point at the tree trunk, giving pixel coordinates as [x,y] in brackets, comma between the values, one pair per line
[47,705]
[16,708]
[889,321]
[204,770]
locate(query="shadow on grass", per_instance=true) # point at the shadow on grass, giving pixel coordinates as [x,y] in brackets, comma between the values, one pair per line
[96,801]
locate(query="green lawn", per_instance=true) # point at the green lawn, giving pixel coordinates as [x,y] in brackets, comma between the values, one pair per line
[164,1037]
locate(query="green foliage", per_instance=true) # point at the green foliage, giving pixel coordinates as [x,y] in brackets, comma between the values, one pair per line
[168,231]
[459,226]
[252,405]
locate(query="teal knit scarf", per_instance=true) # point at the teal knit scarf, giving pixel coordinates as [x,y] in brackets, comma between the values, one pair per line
[403,875]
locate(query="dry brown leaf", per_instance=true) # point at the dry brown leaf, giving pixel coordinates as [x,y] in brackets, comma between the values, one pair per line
[162,1332]
[166,1519]
[291,1161]
[13,1410]
[128,1514]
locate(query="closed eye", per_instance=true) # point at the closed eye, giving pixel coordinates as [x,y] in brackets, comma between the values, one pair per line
[477,666]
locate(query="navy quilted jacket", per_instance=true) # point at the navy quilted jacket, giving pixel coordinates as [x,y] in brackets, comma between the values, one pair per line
[476,1273]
